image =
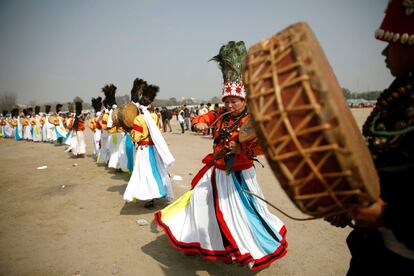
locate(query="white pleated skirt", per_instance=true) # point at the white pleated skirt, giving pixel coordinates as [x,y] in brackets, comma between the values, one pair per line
[77,142]
[37,133]
[149,178]
[27,132]
[103,156]
[96,141]
[217,220]
[114,141]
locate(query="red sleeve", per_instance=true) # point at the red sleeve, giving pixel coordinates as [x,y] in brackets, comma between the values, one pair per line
[207,118]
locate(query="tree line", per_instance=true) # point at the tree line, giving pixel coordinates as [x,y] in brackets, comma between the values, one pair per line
[369,95]
[8,100]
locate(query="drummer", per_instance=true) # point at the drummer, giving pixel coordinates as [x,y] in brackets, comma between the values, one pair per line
[215,218]
[77,125]
[106,124]
[95,126]
[149,179]
[383,240]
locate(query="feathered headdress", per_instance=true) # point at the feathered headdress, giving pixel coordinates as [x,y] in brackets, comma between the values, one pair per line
[137,89]
[109,91]
[78,108]
[148,94]
[15,112]
[29,111]
[58,108]
[97,104]
[47,109]
[231,59]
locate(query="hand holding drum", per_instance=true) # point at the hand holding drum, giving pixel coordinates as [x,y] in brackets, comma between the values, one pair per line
[200,127]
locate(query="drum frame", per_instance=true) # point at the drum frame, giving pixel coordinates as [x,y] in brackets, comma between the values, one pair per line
[303,123]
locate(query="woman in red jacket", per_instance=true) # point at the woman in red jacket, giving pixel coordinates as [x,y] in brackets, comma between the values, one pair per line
[216,219]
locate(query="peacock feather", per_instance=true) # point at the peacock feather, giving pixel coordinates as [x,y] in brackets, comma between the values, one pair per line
[230,60]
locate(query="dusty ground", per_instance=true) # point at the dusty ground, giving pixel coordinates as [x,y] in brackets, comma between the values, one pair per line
[85,228]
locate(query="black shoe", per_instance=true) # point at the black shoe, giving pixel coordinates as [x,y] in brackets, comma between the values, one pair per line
[149,204]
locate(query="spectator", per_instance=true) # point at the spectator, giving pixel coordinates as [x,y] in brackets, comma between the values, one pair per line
[181,119]
[203,110]
[166,116]
[187,119]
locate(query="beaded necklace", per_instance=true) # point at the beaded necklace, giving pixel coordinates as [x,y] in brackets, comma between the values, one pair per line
[226,129]
[381,129]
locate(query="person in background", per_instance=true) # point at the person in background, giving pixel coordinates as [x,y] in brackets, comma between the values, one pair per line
[159,115]
[181,120]
[202,110]
[77,125]
[187,117]
[166,116]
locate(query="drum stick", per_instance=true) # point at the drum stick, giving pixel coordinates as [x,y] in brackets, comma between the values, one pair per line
[350,224]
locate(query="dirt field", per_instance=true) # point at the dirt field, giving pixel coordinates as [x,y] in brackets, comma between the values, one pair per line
[70,219]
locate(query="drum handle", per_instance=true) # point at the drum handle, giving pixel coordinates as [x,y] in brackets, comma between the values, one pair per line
[289,216]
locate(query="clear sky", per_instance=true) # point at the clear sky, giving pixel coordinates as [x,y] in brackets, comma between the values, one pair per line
[54,50]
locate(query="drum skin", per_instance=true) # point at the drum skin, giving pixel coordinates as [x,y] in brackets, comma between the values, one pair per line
[305,127]
[126,115]
[52,119]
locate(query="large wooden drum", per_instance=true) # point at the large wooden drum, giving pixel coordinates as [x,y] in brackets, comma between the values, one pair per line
[115,117]
[126,115]
[305,127]
[52,119]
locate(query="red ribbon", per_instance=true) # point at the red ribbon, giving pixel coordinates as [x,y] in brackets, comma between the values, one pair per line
[138,128]
[208,160]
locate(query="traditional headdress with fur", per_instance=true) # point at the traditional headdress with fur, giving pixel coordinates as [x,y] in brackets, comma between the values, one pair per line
[78,108]
[15,112]
[148,94]
[97,104]
[231,59]
[109,91]
[29,111]
[137,89]
[37,109]
[58,108]
[47,109]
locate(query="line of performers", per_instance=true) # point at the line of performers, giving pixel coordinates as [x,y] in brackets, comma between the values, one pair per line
[216,218]
[137,147]
[60,128]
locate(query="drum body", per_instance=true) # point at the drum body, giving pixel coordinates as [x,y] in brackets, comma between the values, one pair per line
[52,119]
[126,115]
[305,127]
[115,117]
